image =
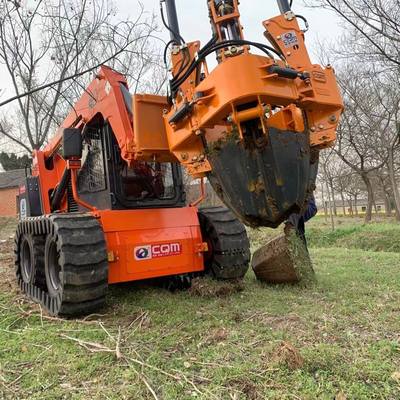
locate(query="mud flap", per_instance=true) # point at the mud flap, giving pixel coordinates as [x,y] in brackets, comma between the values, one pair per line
[263,179]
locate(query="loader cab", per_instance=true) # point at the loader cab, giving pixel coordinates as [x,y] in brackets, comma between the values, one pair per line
[106,181]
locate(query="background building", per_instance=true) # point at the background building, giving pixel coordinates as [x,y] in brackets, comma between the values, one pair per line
[9,183]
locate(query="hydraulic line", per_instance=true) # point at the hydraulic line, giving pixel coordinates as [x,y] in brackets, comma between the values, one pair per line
[173,24]
[176,82]
[59,192]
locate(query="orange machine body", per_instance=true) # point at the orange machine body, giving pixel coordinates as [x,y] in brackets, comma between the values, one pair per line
[152,243]
[242,78]
[141,243]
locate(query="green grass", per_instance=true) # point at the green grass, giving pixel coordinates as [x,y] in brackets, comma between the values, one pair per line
[350,233]
[374,237]
[345,329]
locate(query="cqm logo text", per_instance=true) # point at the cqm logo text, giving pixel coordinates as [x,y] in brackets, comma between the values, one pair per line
[157,250]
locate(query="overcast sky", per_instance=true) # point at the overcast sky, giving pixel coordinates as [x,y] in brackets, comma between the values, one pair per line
[194,22]
[193,18]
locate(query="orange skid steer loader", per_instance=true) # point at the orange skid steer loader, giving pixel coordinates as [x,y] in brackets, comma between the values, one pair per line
[105,202]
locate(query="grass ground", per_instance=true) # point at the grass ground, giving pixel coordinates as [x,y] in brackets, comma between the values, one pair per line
[338,339]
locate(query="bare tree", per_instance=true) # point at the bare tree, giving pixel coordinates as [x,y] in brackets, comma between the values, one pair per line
[388,89]
[56,40]
[370,51]
[341,182]
[354,190]
[373,29]
[325,178]
[361,136]
[385,88]
[384,189]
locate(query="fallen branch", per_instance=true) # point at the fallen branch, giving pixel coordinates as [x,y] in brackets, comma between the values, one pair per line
[117,349]
[97,347]
[106,331]
[93,315]
[151,390]
[94,347]
[34,313]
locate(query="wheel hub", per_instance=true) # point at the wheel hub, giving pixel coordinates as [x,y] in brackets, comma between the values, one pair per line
[54,268]
[26,261]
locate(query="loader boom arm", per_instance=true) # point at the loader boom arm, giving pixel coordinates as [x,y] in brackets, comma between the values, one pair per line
[103,97]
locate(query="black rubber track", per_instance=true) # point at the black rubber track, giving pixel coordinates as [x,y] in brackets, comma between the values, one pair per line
[229,254]
[38,257]
[82,257]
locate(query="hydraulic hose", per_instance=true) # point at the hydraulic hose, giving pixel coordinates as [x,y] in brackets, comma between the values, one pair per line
[173,24]
[177,81]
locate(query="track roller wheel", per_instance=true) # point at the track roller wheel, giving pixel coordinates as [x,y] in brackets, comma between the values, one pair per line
[26,257]
[31,262]
[52,266]
[228,256]
[177,282]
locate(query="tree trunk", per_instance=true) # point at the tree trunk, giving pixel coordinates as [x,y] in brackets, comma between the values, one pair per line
[388,205]
[324,203]
[393,182]
[371,200]
[356,204]
[330,207]
[350,201]
[332,196]
[343,203]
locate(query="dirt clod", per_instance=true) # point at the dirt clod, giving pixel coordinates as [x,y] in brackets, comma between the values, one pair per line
[287,354]
[217,336]
[207,287]
[245,386]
